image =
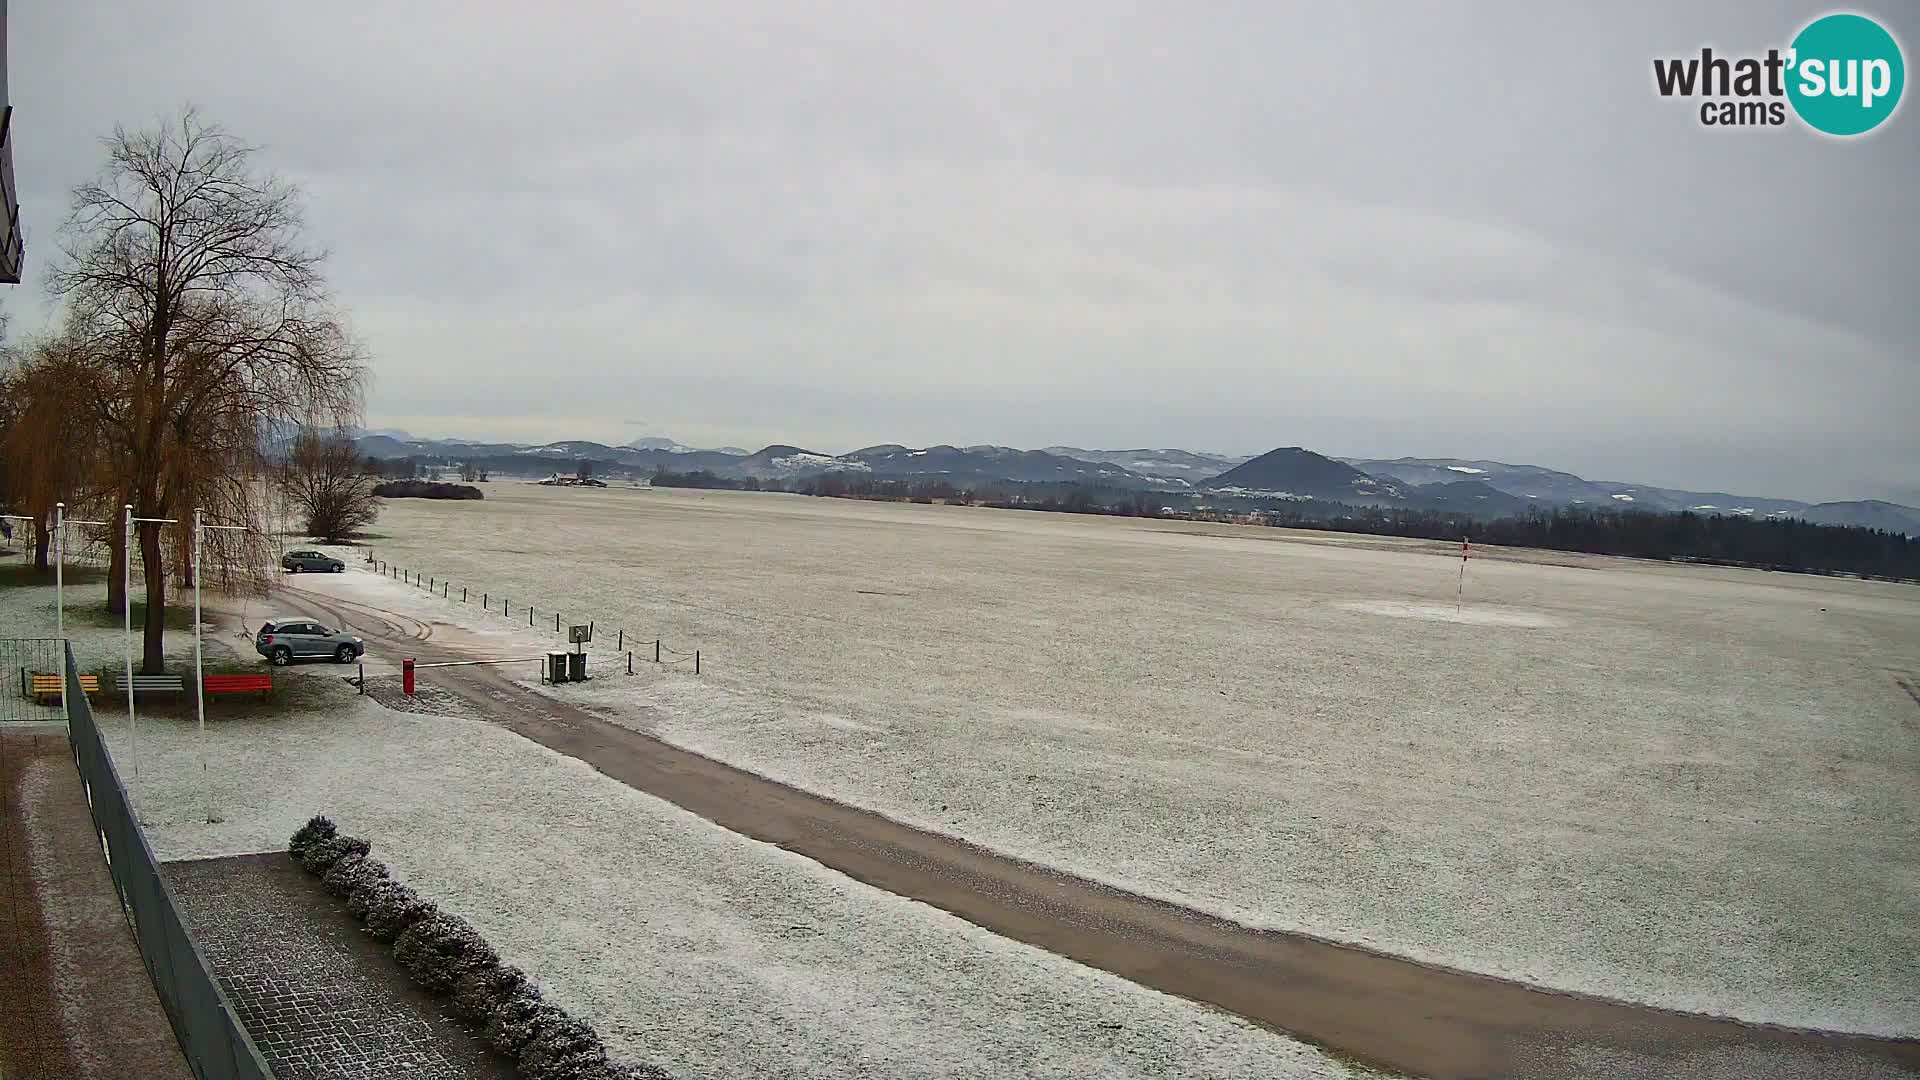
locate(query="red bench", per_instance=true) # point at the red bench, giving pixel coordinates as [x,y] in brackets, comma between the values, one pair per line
[238,684]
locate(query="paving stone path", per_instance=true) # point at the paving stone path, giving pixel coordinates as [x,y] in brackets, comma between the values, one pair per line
[319,997]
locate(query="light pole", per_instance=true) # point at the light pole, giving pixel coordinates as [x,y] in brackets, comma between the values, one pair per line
[199,680]
[60,523]
[126,611]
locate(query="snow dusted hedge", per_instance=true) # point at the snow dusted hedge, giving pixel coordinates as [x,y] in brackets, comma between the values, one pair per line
[445,954]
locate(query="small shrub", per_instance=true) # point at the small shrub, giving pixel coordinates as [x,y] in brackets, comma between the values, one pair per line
[366,893]
[563,1048]
[322,854]
[350,872]
[477,993]
[444,953]
[440,948]
[518,1019]
[392,912]
[316,828]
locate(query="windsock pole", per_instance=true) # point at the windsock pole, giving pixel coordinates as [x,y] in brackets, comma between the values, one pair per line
[1459,592]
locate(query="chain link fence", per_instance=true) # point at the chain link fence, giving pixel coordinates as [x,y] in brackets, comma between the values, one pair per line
[217,1047]
[20,660]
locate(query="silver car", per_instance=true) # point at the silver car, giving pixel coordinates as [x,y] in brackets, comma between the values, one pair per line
[285,640]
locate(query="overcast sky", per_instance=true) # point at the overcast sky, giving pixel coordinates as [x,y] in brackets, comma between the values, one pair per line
[1368,229]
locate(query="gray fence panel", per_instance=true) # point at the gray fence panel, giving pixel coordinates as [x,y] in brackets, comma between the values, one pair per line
[20,660]
[216,1044]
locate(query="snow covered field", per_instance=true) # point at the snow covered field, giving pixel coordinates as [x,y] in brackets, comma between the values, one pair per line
[684,944]
[1692,787]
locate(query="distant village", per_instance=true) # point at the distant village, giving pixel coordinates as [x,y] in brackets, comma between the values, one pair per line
[561,479]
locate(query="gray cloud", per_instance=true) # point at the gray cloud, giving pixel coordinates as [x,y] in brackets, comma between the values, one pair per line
[1376,229]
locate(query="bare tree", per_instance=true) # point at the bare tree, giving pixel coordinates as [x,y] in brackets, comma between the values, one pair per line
[467,472]
[324,481]
[185,272]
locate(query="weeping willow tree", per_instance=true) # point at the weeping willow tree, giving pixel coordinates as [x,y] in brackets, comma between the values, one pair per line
[51,447]
[190,287]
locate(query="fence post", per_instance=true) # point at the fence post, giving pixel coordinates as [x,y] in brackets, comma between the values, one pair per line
[529,614]
[620,644]
[463,594]
[629,663]
[656,650]
[484,601]
[696,661]
[556,622]
[363,680]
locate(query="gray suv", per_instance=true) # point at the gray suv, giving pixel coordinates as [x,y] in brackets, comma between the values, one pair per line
[312,562]
[285,640]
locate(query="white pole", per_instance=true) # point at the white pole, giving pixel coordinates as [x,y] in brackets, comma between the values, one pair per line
[199,680]
[59,594]
[126,612]
[1460,590]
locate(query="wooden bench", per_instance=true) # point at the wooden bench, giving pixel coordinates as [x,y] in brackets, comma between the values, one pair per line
[46,688]
[237,684]
[153,684]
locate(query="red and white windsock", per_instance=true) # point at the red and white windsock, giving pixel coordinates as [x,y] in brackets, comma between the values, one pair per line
[1460,590]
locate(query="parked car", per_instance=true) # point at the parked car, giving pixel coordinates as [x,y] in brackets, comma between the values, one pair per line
[312,562]
[285,640]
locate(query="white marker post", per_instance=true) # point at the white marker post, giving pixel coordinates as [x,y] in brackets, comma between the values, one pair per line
[126,611]
[199,679]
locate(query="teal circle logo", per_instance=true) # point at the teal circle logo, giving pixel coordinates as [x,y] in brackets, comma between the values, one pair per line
[1845,74]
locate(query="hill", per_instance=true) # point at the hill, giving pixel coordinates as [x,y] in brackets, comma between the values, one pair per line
[1553,487]
[1871,513]
[1181,468]
[1476,497]
[978,464]
[1296,472]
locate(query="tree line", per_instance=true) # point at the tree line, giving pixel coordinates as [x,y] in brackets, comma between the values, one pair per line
[1772,543]
[198,362]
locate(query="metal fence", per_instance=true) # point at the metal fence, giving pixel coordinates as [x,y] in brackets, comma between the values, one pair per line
[216,1045]
[20,660]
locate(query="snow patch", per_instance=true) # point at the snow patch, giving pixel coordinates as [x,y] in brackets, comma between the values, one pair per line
[1468,469]
[1471,615]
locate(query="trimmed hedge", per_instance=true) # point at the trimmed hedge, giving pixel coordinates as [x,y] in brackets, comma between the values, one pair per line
[445,954]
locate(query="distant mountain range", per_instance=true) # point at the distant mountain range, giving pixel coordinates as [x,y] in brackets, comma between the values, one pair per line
[1185,466]
[1486,489]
